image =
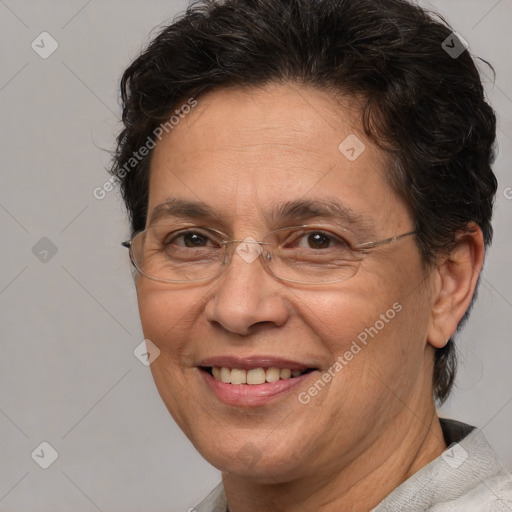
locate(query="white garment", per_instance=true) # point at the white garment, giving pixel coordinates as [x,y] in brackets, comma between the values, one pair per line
[467,477]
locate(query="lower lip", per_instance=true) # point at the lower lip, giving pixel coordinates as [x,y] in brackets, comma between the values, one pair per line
[252,395]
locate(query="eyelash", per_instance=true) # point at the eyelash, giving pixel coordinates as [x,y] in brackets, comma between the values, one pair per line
[330,236]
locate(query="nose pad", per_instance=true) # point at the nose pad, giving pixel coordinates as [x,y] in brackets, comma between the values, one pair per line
[226,258]
[246,255]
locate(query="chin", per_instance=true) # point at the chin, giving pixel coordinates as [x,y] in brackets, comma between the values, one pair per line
[262,461]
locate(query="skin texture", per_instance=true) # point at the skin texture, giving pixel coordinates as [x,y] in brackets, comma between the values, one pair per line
[241,151]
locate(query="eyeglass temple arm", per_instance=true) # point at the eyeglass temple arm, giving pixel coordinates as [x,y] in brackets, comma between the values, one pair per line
[127,244]
[370,245]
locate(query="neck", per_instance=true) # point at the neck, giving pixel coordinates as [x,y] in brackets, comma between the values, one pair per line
[401,451]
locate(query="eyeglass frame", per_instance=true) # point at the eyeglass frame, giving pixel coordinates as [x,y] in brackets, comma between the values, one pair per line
[229,254]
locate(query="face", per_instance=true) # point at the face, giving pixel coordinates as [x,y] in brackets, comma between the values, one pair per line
[361,342]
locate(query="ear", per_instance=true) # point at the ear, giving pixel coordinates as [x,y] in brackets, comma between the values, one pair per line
[455,281]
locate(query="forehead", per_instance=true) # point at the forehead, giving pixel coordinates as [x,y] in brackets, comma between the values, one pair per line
[243,151]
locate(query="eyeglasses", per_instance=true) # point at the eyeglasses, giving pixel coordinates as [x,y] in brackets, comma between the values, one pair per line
[306,254]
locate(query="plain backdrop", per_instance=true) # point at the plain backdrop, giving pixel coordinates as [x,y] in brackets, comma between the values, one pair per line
[68,374]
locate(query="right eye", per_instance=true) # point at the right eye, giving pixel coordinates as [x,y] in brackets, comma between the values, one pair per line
[190,239]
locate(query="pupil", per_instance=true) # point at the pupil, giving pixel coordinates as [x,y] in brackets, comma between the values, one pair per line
[319,241]
[193,240]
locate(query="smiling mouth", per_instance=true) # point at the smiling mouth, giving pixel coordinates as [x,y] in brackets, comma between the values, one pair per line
[254,376]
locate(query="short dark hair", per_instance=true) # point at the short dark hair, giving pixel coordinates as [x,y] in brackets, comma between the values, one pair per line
[422,105]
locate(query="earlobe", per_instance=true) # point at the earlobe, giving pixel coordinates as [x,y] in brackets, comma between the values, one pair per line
[456,277]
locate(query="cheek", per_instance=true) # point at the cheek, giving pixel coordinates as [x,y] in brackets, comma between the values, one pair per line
[375,329]
[359,311]
[156,314]
[167,317]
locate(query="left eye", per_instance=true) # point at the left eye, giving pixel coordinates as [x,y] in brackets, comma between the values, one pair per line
[316,240]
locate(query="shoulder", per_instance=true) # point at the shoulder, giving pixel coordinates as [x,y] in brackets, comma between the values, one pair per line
[492,494]
[214,502]
[468,476]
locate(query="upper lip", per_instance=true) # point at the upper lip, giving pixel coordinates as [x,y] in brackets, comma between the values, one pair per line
[248,363]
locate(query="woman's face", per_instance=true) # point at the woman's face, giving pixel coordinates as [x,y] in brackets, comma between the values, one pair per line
[245,153]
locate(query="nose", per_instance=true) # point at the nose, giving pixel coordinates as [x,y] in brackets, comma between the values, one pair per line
[246,295]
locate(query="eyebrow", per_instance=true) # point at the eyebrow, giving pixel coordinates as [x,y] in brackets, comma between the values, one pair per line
[298,210]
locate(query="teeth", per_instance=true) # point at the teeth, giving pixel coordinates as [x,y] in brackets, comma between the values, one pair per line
[256,376]
[253,376]
[238,376]
[225,375]
[273,374]
[285,373]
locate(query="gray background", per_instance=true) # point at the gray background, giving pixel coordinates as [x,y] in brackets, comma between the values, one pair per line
[68,374]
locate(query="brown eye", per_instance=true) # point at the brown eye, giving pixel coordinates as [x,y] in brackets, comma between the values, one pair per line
[190,239]
[317,240]
[194,240]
